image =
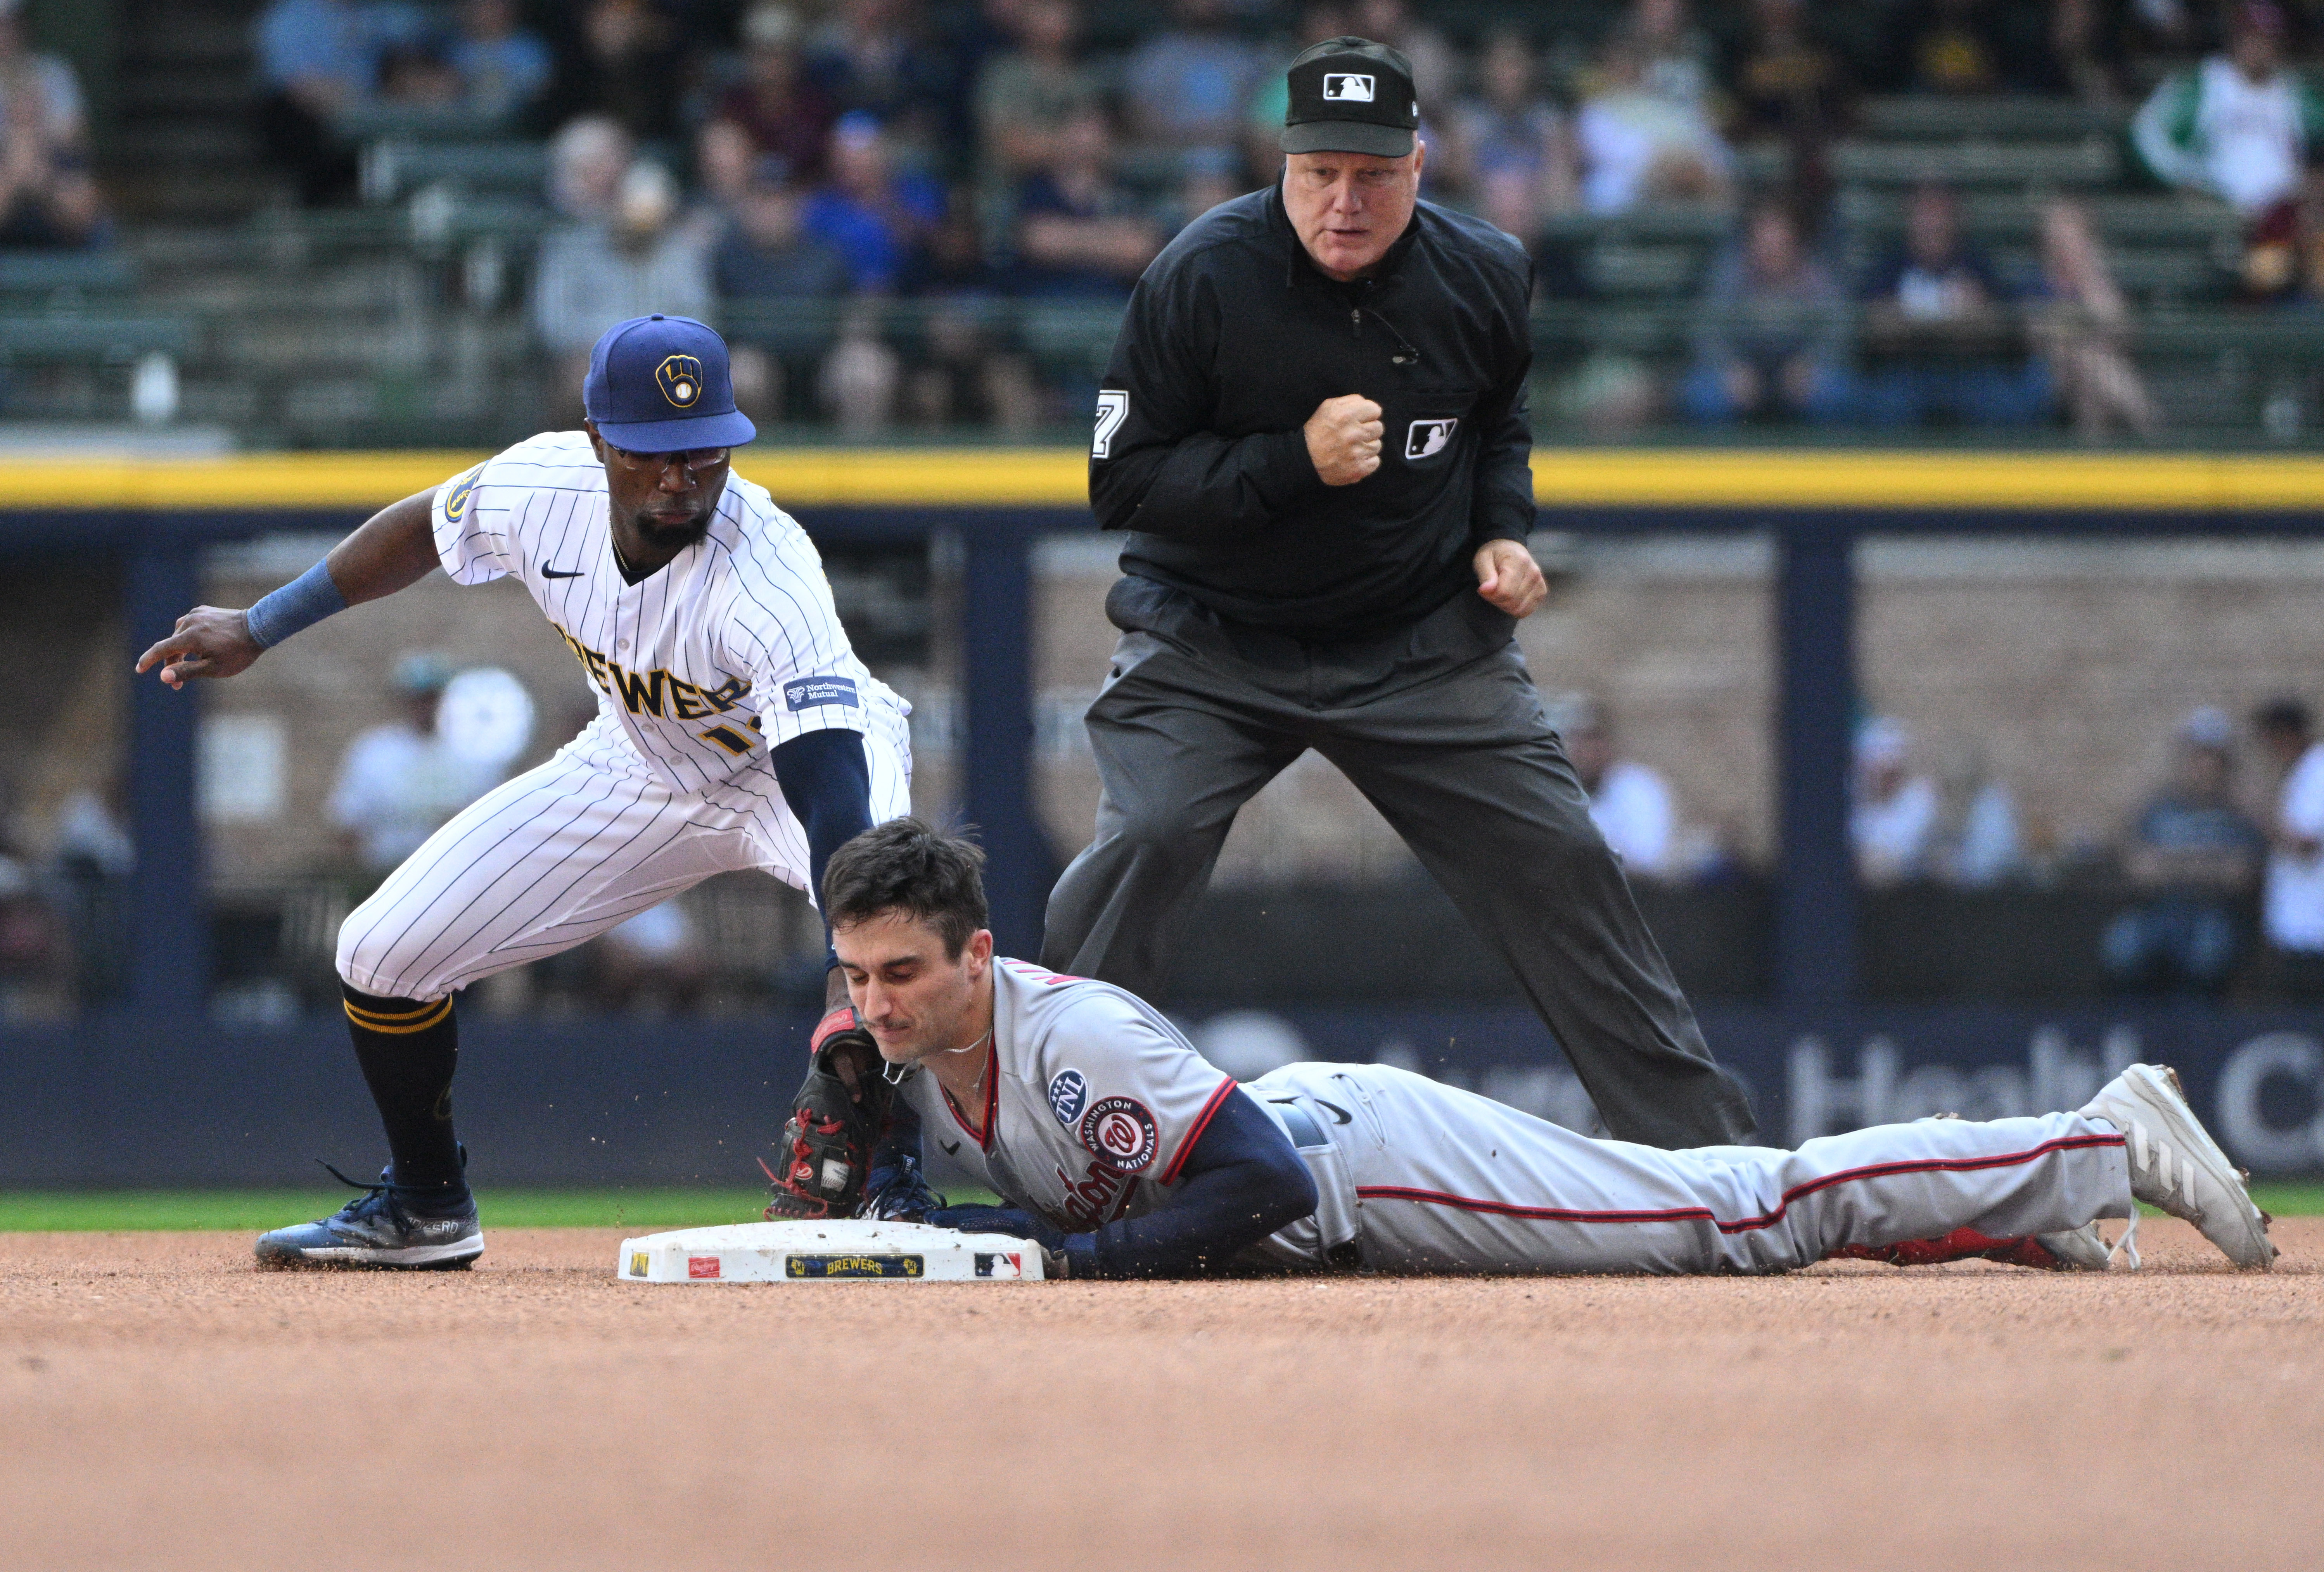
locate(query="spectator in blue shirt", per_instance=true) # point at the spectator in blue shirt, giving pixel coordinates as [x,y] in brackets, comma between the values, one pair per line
[873,215]
[1943,332]
[883,58]
[316,58]
[1186,86]
[1077,231]
[1770,341]
[504,68]
[2196,858]
[788,285]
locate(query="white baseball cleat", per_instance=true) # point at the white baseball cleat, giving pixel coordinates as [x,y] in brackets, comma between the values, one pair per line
[2085,1249]
[2174,1163]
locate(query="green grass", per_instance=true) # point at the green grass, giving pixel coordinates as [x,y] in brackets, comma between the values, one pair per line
[2289,1200]
[253,1210]
[43,1211]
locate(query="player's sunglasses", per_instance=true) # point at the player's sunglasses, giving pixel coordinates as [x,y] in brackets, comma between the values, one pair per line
[694,460]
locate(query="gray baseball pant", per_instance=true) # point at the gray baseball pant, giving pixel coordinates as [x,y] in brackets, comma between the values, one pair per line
[1441,728]
[1427,1178]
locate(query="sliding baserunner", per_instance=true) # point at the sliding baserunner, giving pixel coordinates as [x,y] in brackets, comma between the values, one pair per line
[1126,1155]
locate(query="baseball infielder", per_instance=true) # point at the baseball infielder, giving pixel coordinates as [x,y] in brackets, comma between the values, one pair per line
[735,729]
[1125,1154]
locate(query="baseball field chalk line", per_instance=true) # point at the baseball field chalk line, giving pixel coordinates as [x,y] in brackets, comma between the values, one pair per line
[827,1252]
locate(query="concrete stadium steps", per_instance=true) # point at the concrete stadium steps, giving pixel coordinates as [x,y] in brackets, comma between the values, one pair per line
[186,148]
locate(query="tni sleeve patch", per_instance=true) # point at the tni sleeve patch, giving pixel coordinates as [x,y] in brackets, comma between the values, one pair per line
[808,691]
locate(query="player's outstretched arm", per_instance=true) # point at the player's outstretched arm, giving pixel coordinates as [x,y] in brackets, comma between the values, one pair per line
[395,548]
[1241,1182]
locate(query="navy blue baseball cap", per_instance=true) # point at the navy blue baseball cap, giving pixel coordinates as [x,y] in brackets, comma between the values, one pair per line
[661,384]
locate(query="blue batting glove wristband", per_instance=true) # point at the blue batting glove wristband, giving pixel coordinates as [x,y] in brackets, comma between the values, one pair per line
[302,603]
[985,1219]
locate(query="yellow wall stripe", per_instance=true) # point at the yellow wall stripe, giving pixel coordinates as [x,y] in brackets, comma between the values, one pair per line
[1054,477]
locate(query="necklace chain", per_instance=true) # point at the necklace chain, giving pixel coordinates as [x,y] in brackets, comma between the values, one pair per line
[971,1048]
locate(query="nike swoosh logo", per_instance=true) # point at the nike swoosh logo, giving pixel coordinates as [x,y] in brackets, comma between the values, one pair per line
[551,572]
[950,1146]
[1337,1112]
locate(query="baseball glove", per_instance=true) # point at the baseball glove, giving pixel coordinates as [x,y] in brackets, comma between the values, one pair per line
[836,1120]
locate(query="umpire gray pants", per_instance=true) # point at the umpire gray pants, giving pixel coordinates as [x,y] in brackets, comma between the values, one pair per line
[1441,728]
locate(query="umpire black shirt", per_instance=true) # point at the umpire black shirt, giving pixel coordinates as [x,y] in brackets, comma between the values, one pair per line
[1233,337]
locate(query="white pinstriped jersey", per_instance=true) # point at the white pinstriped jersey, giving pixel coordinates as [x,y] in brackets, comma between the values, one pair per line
[702,668]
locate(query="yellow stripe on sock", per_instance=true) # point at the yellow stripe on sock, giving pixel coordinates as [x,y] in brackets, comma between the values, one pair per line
[412,1013]
[400,1025]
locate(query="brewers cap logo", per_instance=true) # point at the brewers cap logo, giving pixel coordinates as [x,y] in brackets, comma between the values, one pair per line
[1121,1133]
[680,377]
[1347,88]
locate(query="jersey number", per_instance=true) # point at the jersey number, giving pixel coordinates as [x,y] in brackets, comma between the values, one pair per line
[1112,409]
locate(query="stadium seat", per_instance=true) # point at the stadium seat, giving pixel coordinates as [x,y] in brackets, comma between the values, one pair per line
[393,167]
[2094,160]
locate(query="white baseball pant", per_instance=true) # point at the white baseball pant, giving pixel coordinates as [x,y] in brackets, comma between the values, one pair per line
[566,851]
[1434,1178]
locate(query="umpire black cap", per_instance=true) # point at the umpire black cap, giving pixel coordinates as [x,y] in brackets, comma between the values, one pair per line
[1351,95]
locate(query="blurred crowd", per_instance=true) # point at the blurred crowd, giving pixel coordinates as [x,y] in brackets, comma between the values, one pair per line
[2222,880]
[803,167]
[48,197]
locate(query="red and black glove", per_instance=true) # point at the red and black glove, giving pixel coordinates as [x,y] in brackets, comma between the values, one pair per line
[836,1119]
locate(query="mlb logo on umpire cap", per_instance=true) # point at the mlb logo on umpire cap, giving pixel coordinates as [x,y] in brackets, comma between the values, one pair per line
[1351,95]
[663,385]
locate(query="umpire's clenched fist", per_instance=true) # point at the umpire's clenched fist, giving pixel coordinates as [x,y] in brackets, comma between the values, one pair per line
[1343,439]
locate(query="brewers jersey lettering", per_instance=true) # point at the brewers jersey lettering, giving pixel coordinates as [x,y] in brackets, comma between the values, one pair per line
[731,651]
[1093,1101]
[702,670]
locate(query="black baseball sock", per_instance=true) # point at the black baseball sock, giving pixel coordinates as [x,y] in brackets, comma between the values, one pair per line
[408,1049]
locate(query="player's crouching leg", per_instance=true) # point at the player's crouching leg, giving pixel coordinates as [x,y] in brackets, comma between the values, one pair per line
[420,1213]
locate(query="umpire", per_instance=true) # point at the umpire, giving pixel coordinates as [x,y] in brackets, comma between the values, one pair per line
[1313,430]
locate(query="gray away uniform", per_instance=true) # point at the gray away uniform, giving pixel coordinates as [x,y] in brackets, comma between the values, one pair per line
[1094,1099]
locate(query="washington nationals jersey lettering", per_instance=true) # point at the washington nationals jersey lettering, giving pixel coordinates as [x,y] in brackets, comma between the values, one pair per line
[729,652]
[1093,1101]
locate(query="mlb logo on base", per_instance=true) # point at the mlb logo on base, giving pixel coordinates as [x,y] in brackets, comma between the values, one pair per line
[1347,88]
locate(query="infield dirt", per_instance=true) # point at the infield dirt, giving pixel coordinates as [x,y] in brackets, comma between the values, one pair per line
[162,1405]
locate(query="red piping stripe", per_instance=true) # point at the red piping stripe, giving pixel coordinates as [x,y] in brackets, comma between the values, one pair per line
[1201,1122]
[1703,1214]
[991,1094]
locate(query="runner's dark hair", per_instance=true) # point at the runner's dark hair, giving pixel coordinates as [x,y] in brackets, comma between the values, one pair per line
[908,864]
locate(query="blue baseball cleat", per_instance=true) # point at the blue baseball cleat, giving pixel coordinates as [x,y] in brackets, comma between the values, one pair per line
[380,1228]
